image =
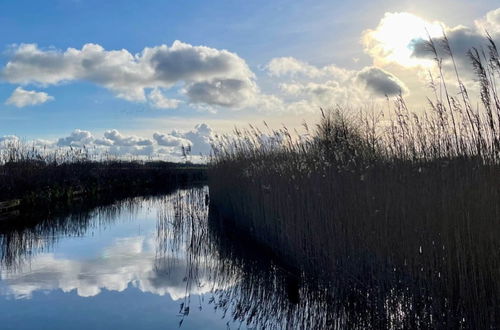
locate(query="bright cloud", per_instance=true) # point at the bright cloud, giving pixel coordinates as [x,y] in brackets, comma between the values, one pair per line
[77,138]
[392,40]
[113,142]
[22,98]
[126,141]
[158,100]
[490,22]
[168,140]
[201,137]
[314,87]
[402,38]
[130,76]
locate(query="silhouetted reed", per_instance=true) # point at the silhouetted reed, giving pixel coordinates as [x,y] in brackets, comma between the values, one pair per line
[38,177]
[244,287]
[253,288]
[404,208]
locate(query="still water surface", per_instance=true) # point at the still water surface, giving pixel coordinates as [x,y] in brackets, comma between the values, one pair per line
[166,262]
[140,263]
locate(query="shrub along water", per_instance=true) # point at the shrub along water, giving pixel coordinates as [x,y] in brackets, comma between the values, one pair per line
[406,210]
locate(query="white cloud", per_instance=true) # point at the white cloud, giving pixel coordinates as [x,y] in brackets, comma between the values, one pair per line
[126,141]
[128,75]
[22,98]
[314,87]
[311,87]
[201,138]
[77,138]
[168,140]
[162,145]
[490,22]
[392,39]
[158,100]
[122,145]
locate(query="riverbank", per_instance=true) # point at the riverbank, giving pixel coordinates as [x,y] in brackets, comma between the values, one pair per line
[28,184]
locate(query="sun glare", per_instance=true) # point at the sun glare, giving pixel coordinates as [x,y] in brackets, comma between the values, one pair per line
[392,40]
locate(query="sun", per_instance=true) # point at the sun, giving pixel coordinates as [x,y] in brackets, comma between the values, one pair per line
[393,38]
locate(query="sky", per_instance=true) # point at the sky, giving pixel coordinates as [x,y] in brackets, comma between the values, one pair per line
[147,77]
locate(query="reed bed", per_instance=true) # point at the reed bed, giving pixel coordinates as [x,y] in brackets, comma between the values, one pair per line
[252,291]
[36,176]
[405,209]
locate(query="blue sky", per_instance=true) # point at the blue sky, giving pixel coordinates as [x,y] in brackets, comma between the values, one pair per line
[328,41]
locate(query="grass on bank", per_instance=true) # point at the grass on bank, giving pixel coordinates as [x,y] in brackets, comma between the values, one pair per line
[37,177]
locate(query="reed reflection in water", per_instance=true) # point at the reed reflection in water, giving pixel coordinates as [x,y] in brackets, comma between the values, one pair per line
[188,253]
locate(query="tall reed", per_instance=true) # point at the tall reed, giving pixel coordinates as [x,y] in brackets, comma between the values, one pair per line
[409,205]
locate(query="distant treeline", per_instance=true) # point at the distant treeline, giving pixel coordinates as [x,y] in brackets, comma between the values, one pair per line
[405,209]
[33,179]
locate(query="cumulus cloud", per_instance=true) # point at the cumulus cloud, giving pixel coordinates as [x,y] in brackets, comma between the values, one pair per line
[158,100]
[381,82]
[126,141]
[201,138]
[112,142]
[168,140]
[490,22]
[77,138]
[22,98]
[314,87]
[222,92]
[128,75]
[311,86]
[161,145]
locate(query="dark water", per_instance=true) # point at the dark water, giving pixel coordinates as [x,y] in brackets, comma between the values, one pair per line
[121,266]
[166,262]
[150,263]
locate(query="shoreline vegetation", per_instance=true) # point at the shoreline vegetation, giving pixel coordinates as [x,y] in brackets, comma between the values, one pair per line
[29,179]
[403,212]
